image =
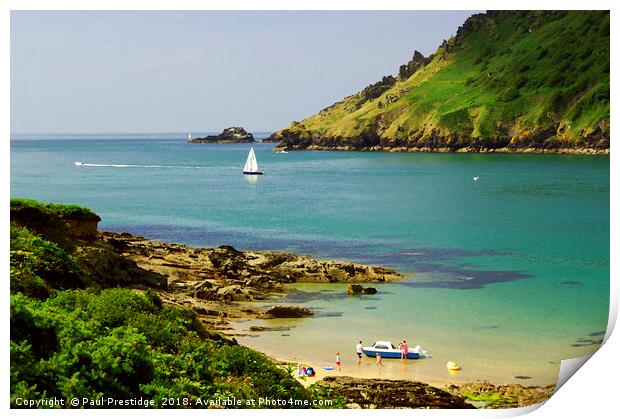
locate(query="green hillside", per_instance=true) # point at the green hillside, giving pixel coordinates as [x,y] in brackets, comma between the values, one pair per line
[507,79]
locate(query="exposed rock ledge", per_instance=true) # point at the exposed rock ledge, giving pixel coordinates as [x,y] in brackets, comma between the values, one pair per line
[229,135]
[215,281]
[381,394]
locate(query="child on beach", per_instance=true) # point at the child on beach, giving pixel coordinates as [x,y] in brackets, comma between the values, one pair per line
[379,359]
[338,361]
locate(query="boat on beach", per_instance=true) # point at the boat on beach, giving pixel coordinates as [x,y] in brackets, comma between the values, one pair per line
[251,165]
[388,350]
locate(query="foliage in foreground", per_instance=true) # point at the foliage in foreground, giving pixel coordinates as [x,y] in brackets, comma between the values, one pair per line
[70,341]
[39,266]
[119,343]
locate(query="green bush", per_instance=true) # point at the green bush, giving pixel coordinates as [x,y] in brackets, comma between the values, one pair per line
[38,265]
[119,343]
[69,342]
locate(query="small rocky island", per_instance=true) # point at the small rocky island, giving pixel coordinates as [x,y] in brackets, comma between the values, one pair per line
[228,136]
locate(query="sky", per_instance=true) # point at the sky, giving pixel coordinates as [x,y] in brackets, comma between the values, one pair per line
[203,71]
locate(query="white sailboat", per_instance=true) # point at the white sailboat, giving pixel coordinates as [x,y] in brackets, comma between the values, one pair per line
[251,165]
[189,136]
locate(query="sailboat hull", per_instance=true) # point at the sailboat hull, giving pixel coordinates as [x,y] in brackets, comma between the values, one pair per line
[252,173]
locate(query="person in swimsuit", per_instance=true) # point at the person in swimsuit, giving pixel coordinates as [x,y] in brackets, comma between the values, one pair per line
[359,351]
[338,361]
[379,359]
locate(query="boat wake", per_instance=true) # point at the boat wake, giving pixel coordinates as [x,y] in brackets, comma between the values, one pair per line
[143,166]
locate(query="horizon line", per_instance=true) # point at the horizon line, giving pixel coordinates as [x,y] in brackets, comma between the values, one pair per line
[123,132]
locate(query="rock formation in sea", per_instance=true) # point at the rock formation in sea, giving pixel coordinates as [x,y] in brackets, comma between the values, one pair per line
[229,135]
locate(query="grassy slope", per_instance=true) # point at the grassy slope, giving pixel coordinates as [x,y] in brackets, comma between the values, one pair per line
[67,341]
[510,78]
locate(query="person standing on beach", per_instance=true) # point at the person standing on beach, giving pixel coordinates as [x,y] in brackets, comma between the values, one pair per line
[338,361]
[359,351]
[379,359]
[404,349]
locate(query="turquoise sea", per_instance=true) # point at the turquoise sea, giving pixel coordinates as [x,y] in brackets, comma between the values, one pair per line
[507,275]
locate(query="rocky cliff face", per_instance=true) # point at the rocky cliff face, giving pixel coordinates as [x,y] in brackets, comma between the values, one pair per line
[524,81]
[229,135]
[418,61]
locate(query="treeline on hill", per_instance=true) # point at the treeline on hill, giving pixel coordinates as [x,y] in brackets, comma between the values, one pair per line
[507,79]
[73,338]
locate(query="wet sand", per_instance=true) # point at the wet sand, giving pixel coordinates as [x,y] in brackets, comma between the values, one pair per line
[430,370]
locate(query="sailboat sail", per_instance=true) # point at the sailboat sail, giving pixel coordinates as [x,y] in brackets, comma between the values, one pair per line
[251,165]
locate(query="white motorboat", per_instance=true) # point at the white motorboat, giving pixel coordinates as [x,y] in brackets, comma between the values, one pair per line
[388,350]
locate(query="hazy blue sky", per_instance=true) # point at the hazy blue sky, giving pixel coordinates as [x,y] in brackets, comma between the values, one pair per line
[202,71]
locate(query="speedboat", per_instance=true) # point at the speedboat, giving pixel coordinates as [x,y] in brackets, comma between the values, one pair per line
[79,163]
[388,350]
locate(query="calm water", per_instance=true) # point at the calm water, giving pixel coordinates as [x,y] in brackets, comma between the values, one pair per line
[508,274]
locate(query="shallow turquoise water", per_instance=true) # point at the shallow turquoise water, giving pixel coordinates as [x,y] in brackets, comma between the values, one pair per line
[509,274]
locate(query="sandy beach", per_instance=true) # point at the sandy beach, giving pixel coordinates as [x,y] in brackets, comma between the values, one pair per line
[430,370]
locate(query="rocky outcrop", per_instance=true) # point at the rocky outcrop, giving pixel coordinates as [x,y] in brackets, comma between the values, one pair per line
[375,90]
[215,280]
[229,135]
[491,396]
[288,312]
[359,289]
[107,267]
[82,229]
[418,61]
[384,394]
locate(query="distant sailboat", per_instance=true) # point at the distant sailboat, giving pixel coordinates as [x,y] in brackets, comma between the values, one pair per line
[251,165]
[189,136]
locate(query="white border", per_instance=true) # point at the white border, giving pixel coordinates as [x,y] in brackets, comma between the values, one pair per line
[591,391]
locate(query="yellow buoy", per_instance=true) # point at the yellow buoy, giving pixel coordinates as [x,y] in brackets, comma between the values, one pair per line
[452,366]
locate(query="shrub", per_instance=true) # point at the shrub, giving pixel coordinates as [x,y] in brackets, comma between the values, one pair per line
[118,342]
[38,265]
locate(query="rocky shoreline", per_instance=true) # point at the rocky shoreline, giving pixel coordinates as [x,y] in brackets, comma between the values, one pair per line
[381,394]
[220,284]
[502,150]
[298,137]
